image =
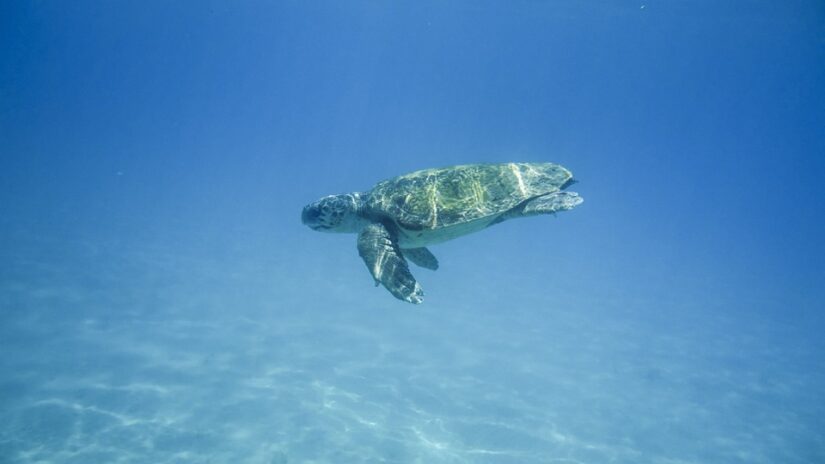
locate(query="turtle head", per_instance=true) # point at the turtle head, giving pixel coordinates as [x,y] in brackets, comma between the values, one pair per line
[334,213]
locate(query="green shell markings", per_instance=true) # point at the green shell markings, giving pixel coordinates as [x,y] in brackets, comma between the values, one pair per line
[399,217]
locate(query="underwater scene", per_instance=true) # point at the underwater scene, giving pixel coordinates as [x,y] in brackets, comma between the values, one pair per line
[428,232]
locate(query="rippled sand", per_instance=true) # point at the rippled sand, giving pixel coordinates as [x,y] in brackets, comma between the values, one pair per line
[145,358]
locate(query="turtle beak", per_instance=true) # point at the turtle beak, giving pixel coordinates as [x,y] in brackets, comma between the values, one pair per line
[310,216]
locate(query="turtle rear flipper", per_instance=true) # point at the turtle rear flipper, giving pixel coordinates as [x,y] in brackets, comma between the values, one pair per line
[383,258]
[550,204]
[421,257]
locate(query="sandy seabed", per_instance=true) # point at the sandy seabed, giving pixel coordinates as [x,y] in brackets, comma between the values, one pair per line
[146,359]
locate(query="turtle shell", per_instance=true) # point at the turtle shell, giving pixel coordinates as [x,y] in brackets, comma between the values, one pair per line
[434,199]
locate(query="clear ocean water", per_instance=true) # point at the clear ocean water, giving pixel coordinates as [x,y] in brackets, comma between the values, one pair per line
[161,302]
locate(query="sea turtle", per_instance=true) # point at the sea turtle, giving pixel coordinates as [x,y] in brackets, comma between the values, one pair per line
[399,217]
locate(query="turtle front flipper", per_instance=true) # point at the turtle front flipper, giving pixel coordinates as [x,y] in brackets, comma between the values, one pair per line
[380,251]
[421,257]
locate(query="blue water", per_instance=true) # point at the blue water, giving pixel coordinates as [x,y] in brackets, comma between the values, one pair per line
[161,302]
